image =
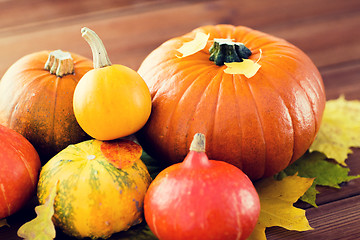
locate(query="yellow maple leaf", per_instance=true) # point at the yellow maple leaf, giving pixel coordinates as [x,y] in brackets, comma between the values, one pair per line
[195,45]
[42,227]
[247,67]
[339,130]
[276,200]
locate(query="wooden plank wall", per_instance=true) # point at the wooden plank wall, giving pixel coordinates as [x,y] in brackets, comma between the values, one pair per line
[119,23]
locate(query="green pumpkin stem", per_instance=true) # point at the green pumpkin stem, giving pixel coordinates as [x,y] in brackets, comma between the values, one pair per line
[100,56]
[226,51]
[59,63]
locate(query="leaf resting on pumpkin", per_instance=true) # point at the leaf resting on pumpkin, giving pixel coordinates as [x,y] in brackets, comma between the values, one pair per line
[276,200]
[194,46]
[247,67]
[42,227]
[315,165]
[340,129]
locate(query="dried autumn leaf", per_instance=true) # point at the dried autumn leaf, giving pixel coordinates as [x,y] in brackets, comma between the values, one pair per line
[121,153]
[276,200]
[326,173]
[42,227]
[340,129]
[247,67]
[194,46]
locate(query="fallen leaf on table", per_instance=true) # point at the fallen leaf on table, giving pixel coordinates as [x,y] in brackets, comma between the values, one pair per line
[276,200]
[42,227]
[315,165]
[339,130]
[3,222]
[194,46]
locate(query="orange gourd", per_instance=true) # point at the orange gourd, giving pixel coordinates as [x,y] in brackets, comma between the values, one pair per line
[36,95]
[260,124]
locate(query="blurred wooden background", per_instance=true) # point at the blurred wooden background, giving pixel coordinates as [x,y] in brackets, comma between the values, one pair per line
[327,30]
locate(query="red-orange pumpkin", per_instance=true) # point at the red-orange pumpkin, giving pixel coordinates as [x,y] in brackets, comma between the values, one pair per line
[260,124]
[37,102]
[19,170]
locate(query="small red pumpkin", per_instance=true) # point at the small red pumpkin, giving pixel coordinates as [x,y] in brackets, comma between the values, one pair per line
[19,170]
[259,124]
[36,95]
[201,199]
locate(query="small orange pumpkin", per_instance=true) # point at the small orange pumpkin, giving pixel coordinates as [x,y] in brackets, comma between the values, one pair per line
[36,95]
[260,124]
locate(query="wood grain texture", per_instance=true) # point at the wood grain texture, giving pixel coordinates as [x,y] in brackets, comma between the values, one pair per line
[326,30]
[342,221]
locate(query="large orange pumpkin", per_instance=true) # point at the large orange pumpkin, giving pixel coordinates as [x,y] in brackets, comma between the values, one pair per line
[260,124]
[36,95]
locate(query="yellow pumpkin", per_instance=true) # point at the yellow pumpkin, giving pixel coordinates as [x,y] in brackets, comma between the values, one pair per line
[110,101]
[100,187]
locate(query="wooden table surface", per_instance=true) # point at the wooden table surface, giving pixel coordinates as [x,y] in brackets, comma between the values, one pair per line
[327,30]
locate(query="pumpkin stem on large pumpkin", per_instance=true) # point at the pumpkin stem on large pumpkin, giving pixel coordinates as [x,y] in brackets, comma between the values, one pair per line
[226,51]
[60,63]
[100,56]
